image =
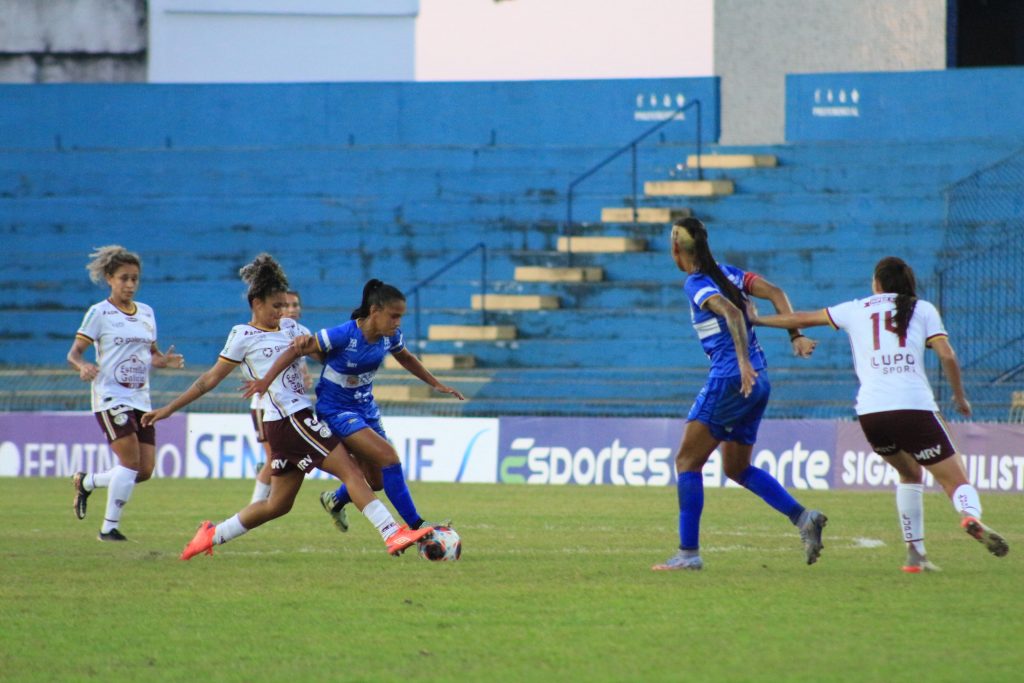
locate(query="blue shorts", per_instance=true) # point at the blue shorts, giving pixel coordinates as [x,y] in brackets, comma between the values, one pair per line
[346,424]
[728,415]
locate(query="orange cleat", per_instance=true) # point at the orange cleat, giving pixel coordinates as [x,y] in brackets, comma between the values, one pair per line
[405,537]
[202,542]
[987,536]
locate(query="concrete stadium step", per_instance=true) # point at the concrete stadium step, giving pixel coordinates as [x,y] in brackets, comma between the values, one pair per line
[730,161]
[688,188]
[557,274]
[604,245]
[514,302]
[644,214]
[436,361]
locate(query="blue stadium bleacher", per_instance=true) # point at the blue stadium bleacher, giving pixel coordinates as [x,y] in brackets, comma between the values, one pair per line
[338,214]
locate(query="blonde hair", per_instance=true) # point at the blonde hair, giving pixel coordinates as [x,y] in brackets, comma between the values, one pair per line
[105,261]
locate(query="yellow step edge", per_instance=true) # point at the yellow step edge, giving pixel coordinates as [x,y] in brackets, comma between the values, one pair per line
[646,214]
[471,332]
[733,161]
[514,302]
[436,361]
[603,245]
[688,188]
[545,274]
[404,392]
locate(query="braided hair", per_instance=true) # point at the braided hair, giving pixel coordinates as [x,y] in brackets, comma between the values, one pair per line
[264,277]
[376,293]
[894,276]
[104,261]
[692,237]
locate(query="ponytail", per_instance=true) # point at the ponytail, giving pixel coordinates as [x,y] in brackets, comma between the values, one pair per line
[894,276]
[376,293]
[692,237]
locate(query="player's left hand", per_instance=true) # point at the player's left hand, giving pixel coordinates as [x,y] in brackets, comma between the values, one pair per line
[963,406]
[251,387]
[171,359]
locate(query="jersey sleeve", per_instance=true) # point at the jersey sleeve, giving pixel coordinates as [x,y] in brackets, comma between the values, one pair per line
[234,347]
[90,327]
[331,338]
[700,288]
[839,315]
[397,342]
[933,327]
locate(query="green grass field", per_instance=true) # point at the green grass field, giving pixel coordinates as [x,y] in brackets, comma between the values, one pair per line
[554,584]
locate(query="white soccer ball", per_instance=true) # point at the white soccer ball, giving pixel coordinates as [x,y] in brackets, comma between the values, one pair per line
[443,545]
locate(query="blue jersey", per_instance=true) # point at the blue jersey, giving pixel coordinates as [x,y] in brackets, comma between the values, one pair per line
[712,329]
[350,364]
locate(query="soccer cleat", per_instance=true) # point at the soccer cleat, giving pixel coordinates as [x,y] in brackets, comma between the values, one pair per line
[995,543]
[680,561]
[810,534]
[917,563]
[339,516]
[81,495]
[202,542]
[405,537]
[112,535]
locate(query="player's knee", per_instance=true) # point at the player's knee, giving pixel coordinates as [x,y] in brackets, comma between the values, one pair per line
[143,474]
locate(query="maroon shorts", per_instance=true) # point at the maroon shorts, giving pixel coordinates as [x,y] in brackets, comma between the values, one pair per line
[298,442]
[921,433]
[257,424]
[121,421]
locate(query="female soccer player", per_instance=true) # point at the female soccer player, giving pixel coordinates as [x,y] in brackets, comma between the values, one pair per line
[889,333]
[298,441]
[261,490]
[124,334]
[728,409]
[352,353]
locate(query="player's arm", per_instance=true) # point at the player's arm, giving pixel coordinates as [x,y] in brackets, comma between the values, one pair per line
[411,363]
[796,319]
[720,306]
[803,346]
[204,383]
[166,360]
[86,370]
[303,345]
[951,368]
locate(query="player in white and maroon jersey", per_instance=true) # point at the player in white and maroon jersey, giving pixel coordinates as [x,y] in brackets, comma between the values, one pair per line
[889,333]
[261,489]
[124,334]
[298,441]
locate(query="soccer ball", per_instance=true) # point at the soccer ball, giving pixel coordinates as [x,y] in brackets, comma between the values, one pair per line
[443,545]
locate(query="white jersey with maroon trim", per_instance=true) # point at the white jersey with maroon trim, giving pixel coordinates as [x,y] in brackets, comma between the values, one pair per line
[123,353]
[254,350]
[890,368]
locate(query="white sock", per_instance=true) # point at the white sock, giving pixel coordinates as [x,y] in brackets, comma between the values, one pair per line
[966,501]
[381,518]
[260,492]
[228,529]
[910,504]
[122,481]
[98,480]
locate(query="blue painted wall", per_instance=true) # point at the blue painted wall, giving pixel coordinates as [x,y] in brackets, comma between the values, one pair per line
[907,106]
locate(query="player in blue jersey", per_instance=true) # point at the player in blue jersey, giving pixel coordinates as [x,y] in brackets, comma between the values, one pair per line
[352,353]
[728,409]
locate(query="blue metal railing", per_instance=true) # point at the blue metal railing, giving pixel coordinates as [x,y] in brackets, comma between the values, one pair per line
[631,147]
[414,291]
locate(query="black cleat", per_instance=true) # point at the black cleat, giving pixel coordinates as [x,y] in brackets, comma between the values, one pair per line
[112,535]
[81,495]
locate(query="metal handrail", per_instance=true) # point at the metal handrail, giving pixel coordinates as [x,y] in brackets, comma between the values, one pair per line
[414,291]
[631,145]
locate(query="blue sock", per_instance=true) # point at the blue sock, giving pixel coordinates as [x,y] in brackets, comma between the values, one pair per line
[690,487]
[764,485]
[341,497]
[398,493]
